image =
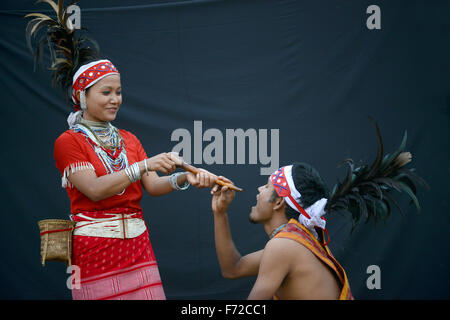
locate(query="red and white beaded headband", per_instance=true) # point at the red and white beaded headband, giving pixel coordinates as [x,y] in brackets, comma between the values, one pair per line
[311,217]
[284,186]
[89,74]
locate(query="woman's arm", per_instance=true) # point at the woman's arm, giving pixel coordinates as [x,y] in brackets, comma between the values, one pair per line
[99,188]
[157,186]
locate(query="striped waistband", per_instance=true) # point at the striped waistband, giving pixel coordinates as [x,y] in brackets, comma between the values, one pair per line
[109,225]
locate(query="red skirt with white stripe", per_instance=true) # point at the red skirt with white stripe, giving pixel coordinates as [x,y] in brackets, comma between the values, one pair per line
[122,269]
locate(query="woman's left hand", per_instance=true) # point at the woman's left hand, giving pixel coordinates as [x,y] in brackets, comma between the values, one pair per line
[203,179]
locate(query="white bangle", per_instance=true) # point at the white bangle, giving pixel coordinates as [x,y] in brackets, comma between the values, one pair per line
[146,167]
[137,170]
[128,173]
[174,183]
[133,172]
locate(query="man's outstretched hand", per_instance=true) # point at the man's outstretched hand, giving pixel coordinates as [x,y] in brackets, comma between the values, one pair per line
[222,197]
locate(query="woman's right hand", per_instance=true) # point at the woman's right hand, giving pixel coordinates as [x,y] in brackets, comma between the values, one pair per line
[162,162]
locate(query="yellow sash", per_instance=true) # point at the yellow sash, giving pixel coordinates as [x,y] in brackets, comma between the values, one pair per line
[296,231]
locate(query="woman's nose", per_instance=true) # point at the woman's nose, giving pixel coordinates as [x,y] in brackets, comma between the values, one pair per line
[114,98]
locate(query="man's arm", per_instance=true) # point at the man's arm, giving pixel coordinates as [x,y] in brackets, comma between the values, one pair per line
[232,264]
[275,266]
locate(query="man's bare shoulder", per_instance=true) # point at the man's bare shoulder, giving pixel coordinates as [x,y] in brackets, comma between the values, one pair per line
[297,258]
[284,247]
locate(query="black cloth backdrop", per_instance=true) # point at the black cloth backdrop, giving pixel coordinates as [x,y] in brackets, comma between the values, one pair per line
[311,69]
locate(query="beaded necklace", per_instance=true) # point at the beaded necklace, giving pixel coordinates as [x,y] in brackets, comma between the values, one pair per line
[274,232]
[107,143]
[107,135]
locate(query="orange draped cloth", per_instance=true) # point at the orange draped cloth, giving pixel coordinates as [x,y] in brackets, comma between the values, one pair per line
[296,231]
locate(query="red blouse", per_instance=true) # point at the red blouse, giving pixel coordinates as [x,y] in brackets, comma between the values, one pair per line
[72,148]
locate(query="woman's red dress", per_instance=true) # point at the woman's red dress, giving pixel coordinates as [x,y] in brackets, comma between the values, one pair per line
[110,267]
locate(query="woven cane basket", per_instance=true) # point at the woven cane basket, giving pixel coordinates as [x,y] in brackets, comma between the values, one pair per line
[56,240]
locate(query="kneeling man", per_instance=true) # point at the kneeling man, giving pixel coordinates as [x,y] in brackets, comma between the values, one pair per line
[296,262]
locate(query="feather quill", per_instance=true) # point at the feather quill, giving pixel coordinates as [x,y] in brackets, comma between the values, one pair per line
[69,48]
[366,191]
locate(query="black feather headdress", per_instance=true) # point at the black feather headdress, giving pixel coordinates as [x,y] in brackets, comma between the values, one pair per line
[366,190]
[68,47]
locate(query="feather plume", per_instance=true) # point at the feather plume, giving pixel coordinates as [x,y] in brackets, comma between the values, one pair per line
[366,190]
[68,47]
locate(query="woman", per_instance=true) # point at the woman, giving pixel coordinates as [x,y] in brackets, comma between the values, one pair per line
[103,170]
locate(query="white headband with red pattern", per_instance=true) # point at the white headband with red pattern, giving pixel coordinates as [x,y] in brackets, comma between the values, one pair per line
[86,76]
[310,217]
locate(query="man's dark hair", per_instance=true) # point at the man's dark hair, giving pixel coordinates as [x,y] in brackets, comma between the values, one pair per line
[309,183]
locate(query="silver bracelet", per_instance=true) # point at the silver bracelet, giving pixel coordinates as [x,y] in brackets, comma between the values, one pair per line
[133,172]
[146,167]
[128,173]
[174,183]
[137,171]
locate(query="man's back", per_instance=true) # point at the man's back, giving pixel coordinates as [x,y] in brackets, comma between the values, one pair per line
[295,266]
[308,277]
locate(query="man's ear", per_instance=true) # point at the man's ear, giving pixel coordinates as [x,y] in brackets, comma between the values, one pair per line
[279,203]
